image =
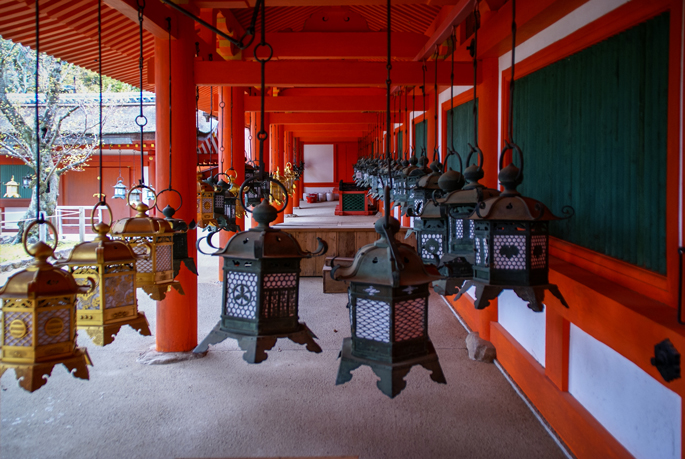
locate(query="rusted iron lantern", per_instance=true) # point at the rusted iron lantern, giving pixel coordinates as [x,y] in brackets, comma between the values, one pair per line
[388,302]
[154,239]
[180,229]
[39,319]
[457,206]
[426,188]
[112,304]
[261,274]
[511,242]
[257,190]
[415,199]
[225,203]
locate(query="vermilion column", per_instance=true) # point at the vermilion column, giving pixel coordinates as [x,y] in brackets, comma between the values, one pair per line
[487,140]
[238,121]
[276,138]
[288,158]
[177,315]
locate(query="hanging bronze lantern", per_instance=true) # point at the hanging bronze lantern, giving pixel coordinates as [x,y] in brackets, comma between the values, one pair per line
[180,235]
[257,190]
[39,319]
[388,302]
[205,202]
[261,277]
[119,190]
[153,238]
[511,240]
[112,304]
[457,206]
[426,187]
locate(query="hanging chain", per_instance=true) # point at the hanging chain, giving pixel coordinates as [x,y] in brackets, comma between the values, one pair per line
[197,122]
[141,120]
[474,50]
[262,135]
[388,82]
[211,124]
[511,83]
[451,120]
[231,169]
[171,130]
[436,153]
[39,217]
[413,111]
[101,196]
[424,68]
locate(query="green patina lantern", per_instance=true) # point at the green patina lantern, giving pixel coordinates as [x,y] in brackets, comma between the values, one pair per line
[457,205]
[417,197]
[511,243]
[388,302]
[261,275]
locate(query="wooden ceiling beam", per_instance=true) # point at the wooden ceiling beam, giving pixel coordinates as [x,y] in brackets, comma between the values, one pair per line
[327,73]
[443,29]
[323,118]
[155,16]
[235,4]
[339,127]
[316,104]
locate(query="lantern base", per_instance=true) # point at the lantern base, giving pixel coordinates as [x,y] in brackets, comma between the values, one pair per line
[33,376]
[189,262]
[255,346]
[533,295]
[158,292]
[102,335]
[391,375]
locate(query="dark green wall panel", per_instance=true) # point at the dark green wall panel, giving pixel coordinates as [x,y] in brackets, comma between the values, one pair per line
[593,131]
[18,171]
[399,144]
[420,136]
[460,132]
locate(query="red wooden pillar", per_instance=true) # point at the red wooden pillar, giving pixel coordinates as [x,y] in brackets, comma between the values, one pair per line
[288,158]
[238,121]
[276,138]
[177,315]
[487,120]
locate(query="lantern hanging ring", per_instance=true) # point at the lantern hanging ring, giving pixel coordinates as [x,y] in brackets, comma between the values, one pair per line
[142,186]
[477,151]
[266,59]
[109,210]
[451,152]
[514,148]
[266,179]
[165,191]
[25,237]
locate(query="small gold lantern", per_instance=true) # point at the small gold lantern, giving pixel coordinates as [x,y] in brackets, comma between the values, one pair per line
[205,202]
[11,189]
[113,304]
[39,320]
[153,239]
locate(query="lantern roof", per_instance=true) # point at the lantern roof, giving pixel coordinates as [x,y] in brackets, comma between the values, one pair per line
[373,263]
[265,241]
[140,224]
[431,210]
[469,197]
[430,181]
[40,278]
[101,250]
[177,225]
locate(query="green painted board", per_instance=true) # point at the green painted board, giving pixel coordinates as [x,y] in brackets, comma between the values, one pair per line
[460,133]
[593,131]
[420,136]
[18,171]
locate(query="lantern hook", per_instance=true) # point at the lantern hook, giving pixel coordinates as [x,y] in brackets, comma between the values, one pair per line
[165,191]
[97,206]
[266,179]
[478,152]
[208,238]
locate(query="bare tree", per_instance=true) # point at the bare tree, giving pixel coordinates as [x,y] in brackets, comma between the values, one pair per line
[60,151]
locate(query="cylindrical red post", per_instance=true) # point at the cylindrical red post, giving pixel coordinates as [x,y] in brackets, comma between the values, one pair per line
[176,329]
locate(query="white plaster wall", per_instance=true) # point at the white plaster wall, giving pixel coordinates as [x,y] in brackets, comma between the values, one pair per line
[527,327]
[318,163]
[639,411]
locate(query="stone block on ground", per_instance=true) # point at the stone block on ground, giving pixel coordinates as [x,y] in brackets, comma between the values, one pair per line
[480,349]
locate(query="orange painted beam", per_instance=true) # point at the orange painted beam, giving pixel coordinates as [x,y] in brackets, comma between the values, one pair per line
[341,45]
[327,127]
[234,4]
[333,133]
[323,118]
[328,73]
[316,104]
[154,16]
[443,30]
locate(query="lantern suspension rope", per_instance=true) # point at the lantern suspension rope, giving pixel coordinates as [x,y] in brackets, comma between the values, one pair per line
[436,150]
[39,217]
[474,50]
[511,82]
[262,135]
[101,197]
[211,127]
[405,154]
[140,119]
[413,110]
[197,121]
[231,131]
[451,117]
[170,125]
[388,82]
[425,121]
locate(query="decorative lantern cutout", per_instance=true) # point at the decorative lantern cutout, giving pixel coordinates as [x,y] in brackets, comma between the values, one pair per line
[257,190]
[261,276]
[39,319]
[153,238]
[426,187]
[457,205]
[180,229]
[11,189]
[112,304]
[388,302]
[511,240]
[431,234]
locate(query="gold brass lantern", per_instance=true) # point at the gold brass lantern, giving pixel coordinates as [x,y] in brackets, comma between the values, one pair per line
[11,189]
[39,320]
[113,304]
[205,202]
[154,239]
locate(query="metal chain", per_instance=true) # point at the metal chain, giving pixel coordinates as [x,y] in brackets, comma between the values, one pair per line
[451,114]
[39,218]
[511,83]
[476,15]
[171,130]
[388,82]
[211,125]
[424,68]
[436,152]
[262,135]
[232,130]
[140,119]
[101,197]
